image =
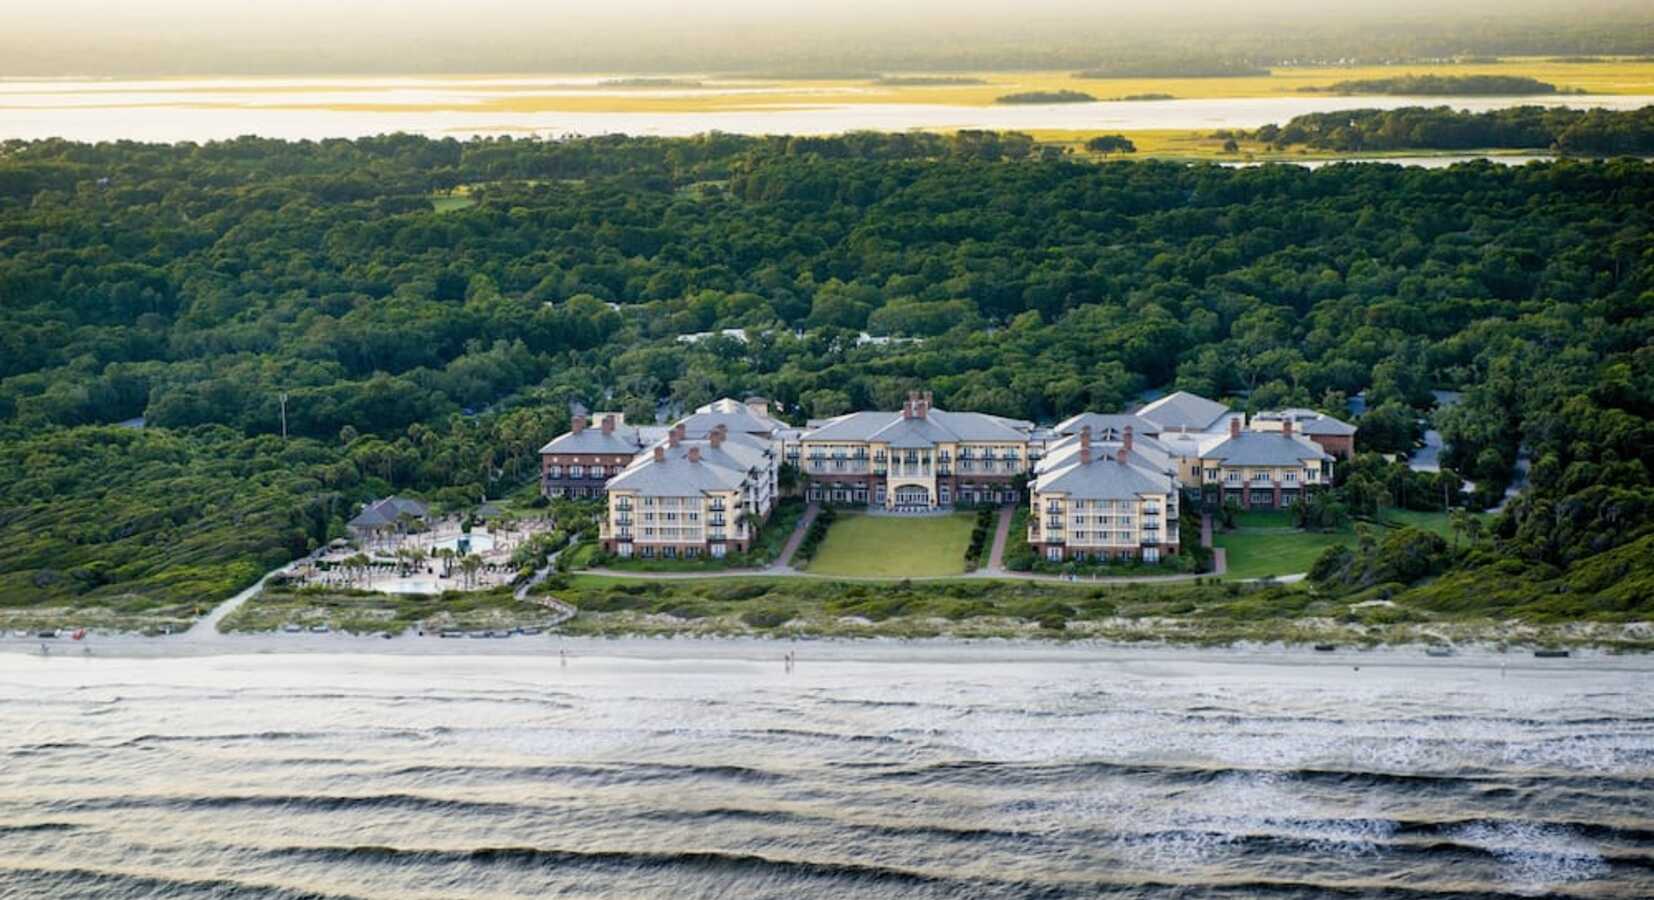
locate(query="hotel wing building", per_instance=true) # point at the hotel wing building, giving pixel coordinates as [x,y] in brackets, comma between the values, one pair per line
[917,459]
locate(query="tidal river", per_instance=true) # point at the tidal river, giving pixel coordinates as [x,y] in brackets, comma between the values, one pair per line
[555,106]
[698,769]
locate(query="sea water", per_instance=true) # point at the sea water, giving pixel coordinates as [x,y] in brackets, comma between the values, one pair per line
[697,769]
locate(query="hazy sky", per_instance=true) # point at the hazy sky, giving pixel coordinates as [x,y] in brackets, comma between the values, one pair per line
[201,36]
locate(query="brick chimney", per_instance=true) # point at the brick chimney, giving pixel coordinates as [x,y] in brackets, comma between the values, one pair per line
[1120,455]
[1126,442]
[660,454]
[1085,445]
[716,438]
[1286,425]
[1234,427]
[694,454]
[907,407]
[672,438]
[608,424]
[921,406]
[578,425]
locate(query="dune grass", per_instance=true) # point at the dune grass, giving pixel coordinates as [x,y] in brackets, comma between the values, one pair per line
[891,546]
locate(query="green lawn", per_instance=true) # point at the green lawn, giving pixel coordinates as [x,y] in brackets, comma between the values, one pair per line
[1428,521]
[450,203]
[1260,545]
[894,546]
[1255,554]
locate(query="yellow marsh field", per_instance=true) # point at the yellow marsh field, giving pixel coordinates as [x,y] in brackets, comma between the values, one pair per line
[725,94]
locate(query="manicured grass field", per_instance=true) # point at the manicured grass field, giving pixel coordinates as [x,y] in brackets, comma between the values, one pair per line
[1256,554]
[893,546]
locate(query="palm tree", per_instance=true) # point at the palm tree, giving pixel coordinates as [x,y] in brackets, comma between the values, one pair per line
[1473,528]
[469,565]
[446,554]
[1458,523]
[417,556]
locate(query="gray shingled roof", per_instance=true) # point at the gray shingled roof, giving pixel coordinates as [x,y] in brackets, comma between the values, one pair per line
[914,433]
[1145,452]
[938,426]
[1104,478]
[1103,424]
[742,421]
[381,513]
[623,439]
[676,476]
[1309,421]
[1265,448]
[1183,410]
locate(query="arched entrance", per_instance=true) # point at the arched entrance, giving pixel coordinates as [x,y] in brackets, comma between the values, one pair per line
[910,497]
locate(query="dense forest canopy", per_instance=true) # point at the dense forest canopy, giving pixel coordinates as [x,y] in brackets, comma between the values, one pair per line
[1599,132]
[433,351]
[1442,86]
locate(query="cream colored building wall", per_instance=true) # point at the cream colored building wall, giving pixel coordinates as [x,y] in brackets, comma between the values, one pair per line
[1307,474]
[1105,524]
[674,520]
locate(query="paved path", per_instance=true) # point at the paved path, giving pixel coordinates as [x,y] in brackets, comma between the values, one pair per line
[206,627]
[1002,533]
[562,611]
[784,563]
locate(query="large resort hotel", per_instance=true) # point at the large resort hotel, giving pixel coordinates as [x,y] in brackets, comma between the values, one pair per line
[1099,486]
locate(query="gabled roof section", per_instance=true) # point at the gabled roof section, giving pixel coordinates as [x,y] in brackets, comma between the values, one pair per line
[1182,409]
[624,439]
[1145,452]
[675,476]
[856,426]
[1107,426]
[912,434]
[975,426]
[937,426]
[1307,421]
[381,513]
[1104,478]
[1265,448]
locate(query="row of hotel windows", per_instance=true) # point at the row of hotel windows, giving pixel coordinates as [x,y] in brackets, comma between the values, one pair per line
[1149,509]
[671,503]
[818,464]
[1108,537]
[648,552]
[1121,521]
[558,490]
[1148,554]
[1233,476]
[910,456]
[841,494]
[670,534]
[581,471]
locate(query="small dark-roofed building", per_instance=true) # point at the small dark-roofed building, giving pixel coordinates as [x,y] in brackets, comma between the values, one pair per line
[387,516]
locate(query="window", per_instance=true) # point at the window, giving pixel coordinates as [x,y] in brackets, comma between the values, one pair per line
[1054,554]
[577,471]
[555,472]
[1232,477]
[718,551]
[1151,554]
[1291,477]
